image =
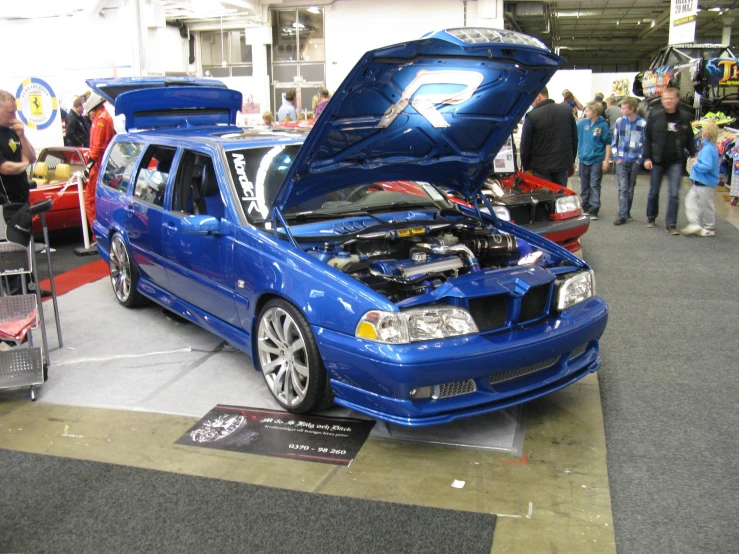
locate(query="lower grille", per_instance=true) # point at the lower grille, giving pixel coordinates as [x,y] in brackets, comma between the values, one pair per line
[579,351]
[456,389]
[522,371]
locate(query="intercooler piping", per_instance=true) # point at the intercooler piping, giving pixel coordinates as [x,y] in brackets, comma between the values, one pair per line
[457,249]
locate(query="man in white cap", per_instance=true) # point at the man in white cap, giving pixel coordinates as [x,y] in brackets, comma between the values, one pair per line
[101,133]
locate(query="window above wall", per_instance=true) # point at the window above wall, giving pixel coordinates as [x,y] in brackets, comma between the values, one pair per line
[225,54]
[298,45]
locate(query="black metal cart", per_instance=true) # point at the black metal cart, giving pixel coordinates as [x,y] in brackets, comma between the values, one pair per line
[22,309]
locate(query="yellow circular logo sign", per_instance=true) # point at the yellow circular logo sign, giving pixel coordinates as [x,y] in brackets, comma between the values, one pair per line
[36,103]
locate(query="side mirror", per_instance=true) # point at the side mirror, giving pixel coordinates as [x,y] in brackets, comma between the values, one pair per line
[201,225]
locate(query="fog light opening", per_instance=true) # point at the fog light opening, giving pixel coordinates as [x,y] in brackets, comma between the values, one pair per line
[421,393]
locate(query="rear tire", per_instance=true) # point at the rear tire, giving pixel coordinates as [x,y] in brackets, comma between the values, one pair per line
[288,357]
[124,277]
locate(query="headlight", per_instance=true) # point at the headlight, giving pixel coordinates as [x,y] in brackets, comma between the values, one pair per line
[502,213]
[575,289]
[567,204]
[414,325]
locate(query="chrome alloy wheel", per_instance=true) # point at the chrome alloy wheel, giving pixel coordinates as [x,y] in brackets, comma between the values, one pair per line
[283,356]
[120,269]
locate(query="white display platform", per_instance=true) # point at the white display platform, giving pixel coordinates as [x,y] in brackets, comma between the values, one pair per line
[144,360]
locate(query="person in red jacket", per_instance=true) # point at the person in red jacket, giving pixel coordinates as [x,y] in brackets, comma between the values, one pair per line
[101,133]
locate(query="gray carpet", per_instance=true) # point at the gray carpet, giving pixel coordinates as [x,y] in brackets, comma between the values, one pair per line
[669,379]
[59,505]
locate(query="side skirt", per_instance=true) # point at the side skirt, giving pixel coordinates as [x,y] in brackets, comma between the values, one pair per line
[236,337]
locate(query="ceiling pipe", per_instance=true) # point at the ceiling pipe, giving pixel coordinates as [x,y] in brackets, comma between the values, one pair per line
[510,20]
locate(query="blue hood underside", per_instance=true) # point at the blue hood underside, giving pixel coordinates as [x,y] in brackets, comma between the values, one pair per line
[437,109]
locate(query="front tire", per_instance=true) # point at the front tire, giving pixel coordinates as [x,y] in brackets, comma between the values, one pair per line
[288,357]
[123,274]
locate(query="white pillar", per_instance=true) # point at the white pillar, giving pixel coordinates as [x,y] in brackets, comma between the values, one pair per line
[489,14]
[726,34]
[259,38]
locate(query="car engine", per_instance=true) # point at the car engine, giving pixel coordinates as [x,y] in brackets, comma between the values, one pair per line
[406,262]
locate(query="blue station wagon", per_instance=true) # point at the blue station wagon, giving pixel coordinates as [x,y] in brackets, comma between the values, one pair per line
[332,257]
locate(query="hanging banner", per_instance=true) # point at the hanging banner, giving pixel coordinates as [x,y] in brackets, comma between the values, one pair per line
[683,15]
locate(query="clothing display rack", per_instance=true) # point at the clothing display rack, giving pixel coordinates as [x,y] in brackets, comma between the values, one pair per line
[25,365]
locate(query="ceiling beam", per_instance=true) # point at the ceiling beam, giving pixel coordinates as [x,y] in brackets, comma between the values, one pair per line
[665,18]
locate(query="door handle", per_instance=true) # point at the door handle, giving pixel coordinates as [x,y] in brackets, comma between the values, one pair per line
[171,227]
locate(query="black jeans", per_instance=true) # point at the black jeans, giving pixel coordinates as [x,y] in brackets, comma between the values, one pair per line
[559,177]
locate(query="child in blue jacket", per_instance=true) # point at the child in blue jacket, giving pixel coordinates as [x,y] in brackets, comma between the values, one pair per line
[699,205]
[594,151]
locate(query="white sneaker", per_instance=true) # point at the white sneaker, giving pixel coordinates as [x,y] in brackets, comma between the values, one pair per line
[707,233]
[691,229]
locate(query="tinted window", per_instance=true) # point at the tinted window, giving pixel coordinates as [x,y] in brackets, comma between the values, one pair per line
[196,190]
[151,181]
[258,174]
[121,164]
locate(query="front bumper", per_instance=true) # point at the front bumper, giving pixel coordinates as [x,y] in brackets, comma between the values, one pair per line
[506,368]
[566,233]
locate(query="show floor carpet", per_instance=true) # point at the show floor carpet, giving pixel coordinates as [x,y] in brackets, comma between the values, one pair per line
[669,382]
[58,505]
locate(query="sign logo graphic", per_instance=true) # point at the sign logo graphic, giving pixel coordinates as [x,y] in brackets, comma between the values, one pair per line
[37,104]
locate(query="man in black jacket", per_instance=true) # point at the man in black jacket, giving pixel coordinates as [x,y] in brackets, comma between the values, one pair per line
[549,140]
[77,126]
[669,136]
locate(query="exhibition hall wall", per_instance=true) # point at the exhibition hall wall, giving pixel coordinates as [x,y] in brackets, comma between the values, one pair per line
[63,52]
[352,29]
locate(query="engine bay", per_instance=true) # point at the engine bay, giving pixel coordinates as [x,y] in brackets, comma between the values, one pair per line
[408,261]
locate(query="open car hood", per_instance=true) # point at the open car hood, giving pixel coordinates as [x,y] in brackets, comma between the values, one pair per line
[151,102]
[436,109]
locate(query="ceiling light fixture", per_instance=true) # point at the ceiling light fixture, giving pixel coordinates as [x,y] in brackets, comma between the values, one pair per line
[577,13]
[223,58]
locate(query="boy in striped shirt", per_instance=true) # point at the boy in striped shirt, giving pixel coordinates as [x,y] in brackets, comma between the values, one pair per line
[628,148]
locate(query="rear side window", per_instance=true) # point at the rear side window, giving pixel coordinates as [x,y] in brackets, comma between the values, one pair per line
[121,164]
[196,190]
[151,181]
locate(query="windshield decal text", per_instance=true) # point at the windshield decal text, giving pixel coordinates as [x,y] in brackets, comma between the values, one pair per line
[247,187]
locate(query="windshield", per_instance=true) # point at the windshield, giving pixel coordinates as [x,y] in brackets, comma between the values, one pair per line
[258,174]
[707,53]
[371,198]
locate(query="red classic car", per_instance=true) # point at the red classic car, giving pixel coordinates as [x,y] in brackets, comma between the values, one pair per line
[541,206]
[53,177]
